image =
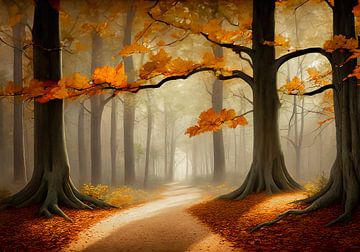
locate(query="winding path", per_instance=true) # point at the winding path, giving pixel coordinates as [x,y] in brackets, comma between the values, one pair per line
[161,225]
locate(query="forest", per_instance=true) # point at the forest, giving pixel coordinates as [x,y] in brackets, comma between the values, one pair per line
[167,125]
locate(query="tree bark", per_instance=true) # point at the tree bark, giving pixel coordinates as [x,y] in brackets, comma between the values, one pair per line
[82,147]
[97,108]
[113,141]
[129,104]
[344,184]
[218,139]
[50,183]
[268,172]
[148,140]
[18,134]
[172,153]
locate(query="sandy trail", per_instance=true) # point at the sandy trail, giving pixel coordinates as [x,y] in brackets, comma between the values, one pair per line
[161,225]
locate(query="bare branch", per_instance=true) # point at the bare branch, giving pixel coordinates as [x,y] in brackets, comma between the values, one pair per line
[246,59]
[302,52]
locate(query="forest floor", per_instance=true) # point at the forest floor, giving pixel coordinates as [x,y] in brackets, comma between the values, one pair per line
[184,218]
[161,225]
[234,219]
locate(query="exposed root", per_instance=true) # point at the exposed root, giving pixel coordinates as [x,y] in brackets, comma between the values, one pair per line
[271,181]
[52,193]
[340,188]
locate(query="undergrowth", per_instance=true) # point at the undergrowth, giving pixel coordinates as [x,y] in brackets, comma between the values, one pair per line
[121,196]
[314,187]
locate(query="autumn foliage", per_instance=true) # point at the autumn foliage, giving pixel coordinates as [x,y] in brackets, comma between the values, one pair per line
[212,121]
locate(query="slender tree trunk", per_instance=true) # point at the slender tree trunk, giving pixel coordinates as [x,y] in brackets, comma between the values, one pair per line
[97,108]
[194,163]
[18,135]
[166,140]
[148,140]
[82,147]
[268,172]
[113,141]
[50,183]
[218,139]
[129,104]
[172,153]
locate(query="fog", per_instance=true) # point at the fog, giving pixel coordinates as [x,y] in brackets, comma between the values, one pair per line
[308,144]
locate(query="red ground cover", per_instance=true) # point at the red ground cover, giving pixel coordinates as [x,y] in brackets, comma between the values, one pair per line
[234,219]
[23,230]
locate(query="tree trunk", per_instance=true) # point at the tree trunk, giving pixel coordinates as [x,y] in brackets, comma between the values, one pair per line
[97,108]
[82,147]
[268,172]
[129,103]
[18,134]
[148,140]
[50,183]
[218,139]
[129,121]
[113,141]
[344,184]
[172,153]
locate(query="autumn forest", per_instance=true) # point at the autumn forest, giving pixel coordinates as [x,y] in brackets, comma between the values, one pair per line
[141,125]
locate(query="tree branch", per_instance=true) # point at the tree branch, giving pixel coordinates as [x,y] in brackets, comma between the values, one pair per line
[235,74]
[238,74]
[236,48]
[329,4]
[317,91]
[301,52]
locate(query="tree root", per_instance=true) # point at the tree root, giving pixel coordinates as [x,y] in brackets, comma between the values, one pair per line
[335,191]
[278,180]
[55,193]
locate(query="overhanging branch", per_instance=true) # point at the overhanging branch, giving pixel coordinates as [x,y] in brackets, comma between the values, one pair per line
[236,48]
[317,91]
[301,52]
[235,74]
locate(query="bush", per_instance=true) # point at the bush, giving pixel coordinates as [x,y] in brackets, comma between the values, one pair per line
[315,187]
[120,197]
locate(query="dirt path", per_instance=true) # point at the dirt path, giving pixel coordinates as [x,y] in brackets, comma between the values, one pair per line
[161,225]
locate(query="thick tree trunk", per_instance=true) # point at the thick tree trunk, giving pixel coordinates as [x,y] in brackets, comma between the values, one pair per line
[268,172]
[18,135]
[148,140]
[50,183]
[344,184]
[82,147]
[113,141]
